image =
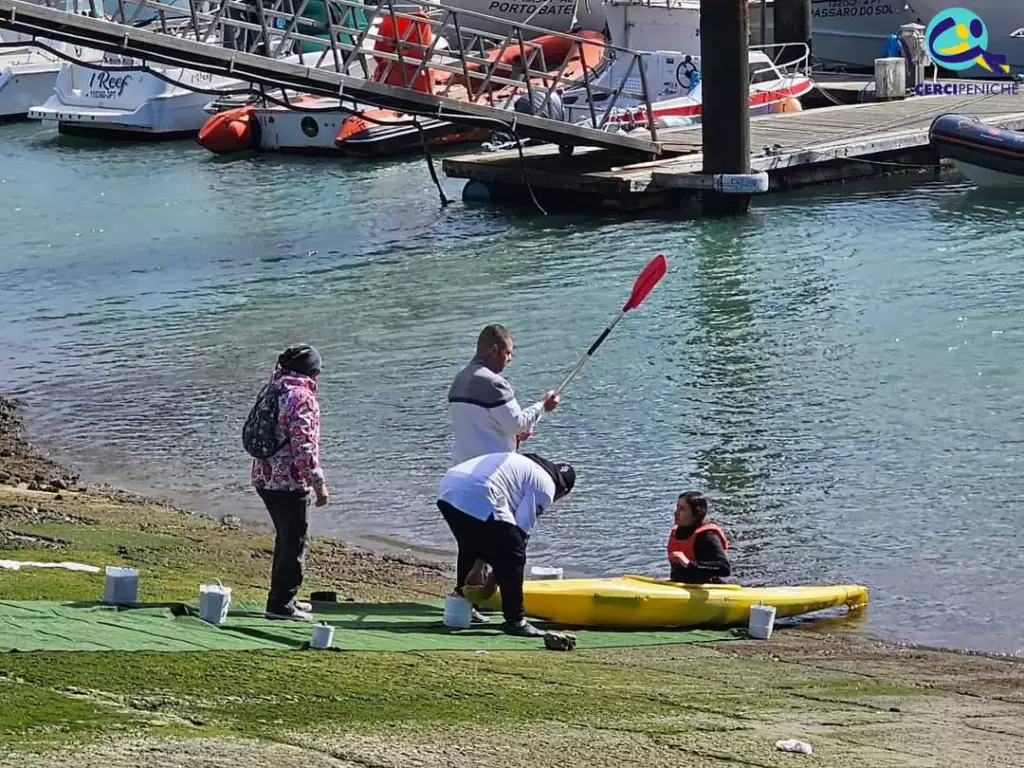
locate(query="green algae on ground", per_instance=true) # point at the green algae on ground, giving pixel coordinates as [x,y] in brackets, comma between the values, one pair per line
[31,713]
[253,689]
[859,703]
[251,693]
[177,552]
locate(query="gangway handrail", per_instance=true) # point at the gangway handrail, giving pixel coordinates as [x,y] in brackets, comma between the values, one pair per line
[485,72]
[155,47]
[353,5]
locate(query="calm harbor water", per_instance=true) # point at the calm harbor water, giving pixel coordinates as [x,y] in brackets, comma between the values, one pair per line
[841,370]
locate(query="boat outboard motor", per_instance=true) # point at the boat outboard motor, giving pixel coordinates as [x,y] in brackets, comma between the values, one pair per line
[530,104]
[534,104]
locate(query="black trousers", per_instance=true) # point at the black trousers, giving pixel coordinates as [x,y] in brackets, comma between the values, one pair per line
[290,512]
[499,544]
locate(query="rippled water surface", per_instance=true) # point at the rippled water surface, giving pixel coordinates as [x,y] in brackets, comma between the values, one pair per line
[841,370]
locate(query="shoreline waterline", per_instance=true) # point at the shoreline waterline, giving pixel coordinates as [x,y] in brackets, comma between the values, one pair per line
[380,543]
[839,370]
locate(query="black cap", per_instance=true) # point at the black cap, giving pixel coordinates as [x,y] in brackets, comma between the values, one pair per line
[561,472]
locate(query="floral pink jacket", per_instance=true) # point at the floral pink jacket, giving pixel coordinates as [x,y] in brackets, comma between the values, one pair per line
[296,467]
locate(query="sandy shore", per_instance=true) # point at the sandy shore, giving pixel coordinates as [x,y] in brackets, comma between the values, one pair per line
[857,701]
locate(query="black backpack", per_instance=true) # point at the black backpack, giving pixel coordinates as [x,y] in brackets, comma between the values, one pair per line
[259,433]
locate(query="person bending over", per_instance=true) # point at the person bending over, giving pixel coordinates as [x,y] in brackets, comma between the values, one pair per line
[491,504]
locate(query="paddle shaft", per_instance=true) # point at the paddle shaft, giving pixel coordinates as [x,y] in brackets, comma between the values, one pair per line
[590,352]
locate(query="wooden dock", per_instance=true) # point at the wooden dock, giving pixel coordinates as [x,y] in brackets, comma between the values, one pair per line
[845,88]
[795,149]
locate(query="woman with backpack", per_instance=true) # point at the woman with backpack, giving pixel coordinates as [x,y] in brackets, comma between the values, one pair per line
[282,434]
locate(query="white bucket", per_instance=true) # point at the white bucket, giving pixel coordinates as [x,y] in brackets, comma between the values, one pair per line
[323,636]
[543,572]
[458,612]
[121,585]
[214,600]
[762,620]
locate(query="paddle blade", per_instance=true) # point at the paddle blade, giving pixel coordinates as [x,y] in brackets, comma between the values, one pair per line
[645,282]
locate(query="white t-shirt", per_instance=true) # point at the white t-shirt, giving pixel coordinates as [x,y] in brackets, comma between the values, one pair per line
[508,486]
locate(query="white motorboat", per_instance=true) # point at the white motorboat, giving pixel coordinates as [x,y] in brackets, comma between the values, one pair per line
[135,104]
[679,98]
[28,72]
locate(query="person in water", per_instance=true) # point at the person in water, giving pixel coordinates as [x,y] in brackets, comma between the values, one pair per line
[696,548]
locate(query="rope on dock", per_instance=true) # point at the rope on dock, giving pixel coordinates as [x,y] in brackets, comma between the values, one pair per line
[430,163]
[923,166]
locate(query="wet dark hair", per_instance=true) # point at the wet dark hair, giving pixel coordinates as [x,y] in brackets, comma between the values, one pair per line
[698,505]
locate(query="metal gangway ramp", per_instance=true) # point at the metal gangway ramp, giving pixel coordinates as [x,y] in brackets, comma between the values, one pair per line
[480,61]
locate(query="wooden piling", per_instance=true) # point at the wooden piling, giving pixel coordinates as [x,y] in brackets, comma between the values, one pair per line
[724,52]
[792,25]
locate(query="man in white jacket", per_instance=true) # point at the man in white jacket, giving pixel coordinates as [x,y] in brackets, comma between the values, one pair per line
[491,504]
[486,417]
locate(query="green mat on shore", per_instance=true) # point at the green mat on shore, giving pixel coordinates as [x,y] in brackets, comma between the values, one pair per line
[50,626]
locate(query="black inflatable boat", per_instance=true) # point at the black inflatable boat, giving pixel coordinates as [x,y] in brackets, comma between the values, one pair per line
[986,154]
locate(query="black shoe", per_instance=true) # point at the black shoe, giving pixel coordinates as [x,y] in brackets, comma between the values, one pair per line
[522,629]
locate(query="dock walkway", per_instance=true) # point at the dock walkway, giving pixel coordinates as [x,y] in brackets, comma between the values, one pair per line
[795,149]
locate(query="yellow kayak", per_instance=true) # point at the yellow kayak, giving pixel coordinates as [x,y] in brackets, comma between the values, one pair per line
[638,602]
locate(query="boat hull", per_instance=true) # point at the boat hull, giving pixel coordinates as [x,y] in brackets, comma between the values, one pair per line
[987,155]
[21,90]
[636,602]
[134,104]
[852,32]
[306,133]
[988,178]
[396,135]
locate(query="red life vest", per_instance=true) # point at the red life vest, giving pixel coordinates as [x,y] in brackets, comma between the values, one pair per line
[686,545]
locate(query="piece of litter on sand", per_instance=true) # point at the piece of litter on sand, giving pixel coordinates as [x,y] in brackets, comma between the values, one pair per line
[479,653]
[792,745]
[17,565]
